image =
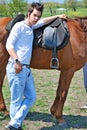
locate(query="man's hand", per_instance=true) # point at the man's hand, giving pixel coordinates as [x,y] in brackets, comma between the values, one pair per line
[18,67]
[62,16]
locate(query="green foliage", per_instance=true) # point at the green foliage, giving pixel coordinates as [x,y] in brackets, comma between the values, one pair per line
[13,8]
[17,6]
[69,12]
[85,3]
[50,8]
[71,4]
[78,12]
[20,6]
[2,8]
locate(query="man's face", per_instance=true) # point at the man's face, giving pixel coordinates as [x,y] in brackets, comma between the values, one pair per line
[34,16]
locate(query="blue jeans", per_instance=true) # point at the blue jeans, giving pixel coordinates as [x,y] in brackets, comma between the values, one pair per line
[23,94]
[85,76]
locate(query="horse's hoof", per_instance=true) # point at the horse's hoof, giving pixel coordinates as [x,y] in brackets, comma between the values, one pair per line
[63,125]
[6,113]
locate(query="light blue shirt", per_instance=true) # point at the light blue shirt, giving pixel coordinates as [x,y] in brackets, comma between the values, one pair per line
[21,39]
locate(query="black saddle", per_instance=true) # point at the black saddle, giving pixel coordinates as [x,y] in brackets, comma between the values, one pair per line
[53,36]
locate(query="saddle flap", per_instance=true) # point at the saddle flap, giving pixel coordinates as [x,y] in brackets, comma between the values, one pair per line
[49,37]
[55,36]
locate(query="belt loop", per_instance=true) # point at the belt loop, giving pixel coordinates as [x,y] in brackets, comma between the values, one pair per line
[26,65]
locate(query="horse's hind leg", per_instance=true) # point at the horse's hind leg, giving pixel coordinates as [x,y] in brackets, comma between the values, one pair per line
[2,103]
[61,94]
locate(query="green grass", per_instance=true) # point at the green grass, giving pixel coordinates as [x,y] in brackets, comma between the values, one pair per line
[70,13]
[39,117]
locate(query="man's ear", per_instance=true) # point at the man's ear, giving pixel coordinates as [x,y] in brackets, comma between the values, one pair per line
[29,14]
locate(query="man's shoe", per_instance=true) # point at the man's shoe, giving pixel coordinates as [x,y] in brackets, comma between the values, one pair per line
[9,127]
[83,107]
[20,128]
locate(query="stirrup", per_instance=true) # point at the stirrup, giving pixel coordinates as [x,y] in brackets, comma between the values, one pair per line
[54,64]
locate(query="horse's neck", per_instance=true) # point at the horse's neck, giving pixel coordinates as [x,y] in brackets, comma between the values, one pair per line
[71,23]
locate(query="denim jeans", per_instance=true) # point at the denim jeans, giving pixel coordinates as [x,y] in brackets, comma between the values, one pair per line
[23,94]
[85,76]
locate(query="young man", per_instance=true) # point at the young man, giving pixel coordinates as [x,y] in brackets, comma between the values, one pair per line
[19,47]
[85,84]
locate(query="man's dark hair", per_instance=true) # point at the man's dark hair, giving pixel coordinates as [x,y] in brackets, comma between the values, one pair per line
[37,6]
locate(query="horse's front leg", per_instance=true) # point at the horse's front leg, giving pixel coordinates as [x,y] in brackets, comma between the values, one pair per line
[61,94]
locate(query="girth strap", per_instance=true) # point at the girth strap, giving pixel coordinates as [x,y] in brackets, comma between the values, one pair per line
[54,63]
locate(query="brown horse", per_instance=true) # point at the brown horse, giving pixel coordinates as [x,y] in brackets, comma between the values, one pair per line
[71,58]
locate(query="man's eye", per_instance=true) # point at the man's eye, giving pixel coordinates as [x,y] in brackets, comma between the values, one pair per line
[36,16]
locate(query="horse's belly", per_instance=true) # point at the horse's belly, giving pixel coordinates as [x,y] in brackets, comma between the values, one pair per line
[41,58]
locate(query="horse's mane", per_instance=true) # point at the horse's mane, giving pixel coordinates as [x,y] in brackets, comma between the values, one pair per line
[79,22]
[83,17]
[83,22]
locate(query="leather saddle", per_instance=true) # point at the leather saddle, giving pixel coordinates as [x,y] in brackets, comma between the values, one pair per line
[53,36]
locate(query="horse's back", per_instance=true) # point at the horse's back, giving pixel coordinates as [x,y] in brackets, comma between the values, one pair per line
[4,21]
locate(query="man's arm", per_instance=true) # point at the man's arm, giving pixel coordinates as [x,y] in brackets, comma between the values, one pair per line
[51,18]
[10,48]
